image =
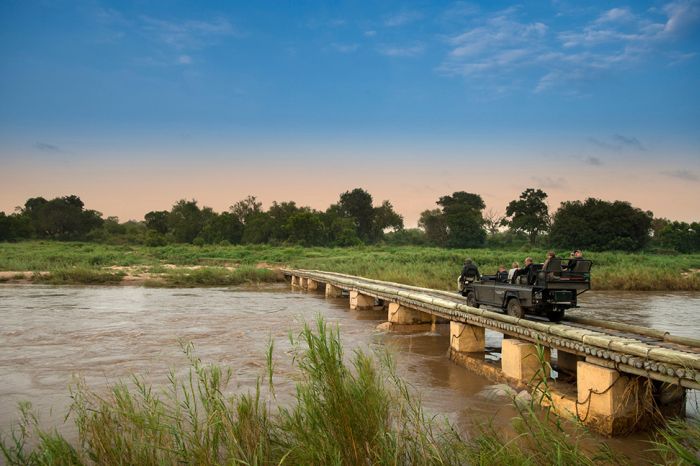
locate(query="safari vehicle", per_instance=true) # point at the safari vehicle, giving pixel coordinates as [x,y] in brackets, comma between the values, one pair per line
[547,292]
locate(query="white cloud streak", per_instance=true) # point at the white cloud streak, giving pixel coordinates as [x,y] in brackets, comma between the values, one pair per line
[500,47]
[402,18]
[402,50]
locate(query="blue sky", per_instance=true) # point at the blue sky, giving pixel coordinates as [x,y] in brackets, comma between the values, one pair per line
[434,93]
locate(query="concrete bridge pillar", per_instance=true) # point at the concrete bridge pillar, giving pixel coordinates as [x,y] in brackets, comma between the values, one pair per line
[295,281]
[303,282]
[360,301]
[519,360]
[610,402]
[333,291]
[467,338]
[403,315]
[311,285]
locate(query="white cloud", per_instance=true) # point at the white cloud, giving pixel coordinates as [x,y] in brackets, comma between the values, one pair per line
[498,48]
[370,33]
[682,15]
[402,51]
[402,18]
[344,48]
[615,15]
[459,11]
[184,60]
[190,34]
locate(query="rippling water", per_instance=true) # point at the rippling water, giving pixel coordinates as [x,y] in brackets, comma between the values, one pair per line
[50,334]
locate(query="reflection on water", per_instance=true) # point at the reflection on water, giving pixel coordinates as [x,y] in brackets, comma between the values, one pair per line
[49,334]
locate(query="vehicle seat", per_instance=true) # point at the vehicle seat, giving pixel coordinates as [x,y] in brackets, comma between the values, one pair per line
[532,275]
[582,266]
[554,265]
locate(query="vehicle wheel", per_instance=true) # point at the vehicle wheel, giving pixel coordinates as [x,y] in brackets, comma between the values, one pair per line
[471,300]
[555,315]
[515,309]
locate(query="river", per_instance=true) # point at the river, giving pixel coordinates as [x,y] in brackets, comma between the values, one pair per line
[49,334]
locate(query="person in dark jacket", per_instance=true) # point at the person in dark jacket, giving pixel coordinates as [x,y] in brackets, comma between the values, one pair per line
[502,274]
[524,271]
[576,256]
[470,272]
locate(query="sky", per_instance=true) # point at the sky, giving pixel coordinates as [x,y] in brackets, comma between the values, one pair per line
[133,105]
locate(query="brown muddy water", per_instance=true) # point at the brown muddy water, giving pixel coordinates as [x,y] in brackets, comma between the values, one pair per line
[50,334]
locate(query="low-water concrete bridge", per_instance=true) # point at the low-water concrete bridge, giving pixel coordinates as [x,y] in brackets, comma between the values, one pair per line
[613,377]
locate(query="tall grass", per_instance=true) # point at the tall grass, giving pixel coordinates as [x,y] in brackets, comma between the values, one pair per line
[82,275]
[423,266]
[214,276]
[347,410]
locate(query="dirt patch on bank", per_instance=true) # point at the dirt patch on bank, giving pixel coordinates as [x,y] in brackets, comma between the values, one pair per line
[18,277]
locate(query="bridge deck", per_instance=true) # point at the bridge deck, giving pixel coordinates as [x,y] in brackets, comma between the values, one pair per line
[629,349]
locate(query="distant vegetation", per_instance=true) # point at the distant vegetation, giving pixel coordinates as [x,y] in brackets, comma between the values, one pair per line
[459,221]
[346,411]
[220,265]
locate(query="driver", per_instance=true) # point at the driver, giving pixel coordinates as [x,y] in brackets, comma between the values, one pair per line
[470,272]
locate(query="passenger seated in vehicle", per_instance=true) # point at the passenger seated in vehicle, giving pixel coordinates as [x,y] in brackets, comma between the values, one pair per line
[513,268]
[470,272]
[550,255]
[525,271]
[574,257]
[502,274]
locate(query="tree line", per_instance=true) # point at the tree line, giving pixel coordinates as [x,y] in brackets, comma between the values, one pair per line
[458,221]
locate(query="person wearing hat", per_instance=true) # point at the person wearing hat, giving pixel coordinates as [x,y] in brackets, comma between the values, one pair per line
[576,256]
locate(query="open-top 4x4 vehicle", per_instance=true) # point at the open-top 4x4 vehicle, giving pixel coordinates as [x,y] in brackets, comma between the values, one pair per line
[547,292]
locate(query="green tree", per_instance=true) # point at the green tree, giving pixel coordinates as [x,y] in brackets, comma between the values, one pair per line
[357,205]
[306,228]
[257,229]
[385,217]
[246,208]
[14,227]
[280,213]
[463,216]
[185,221]
[113,227]
[341,231]
[435,226]
[681,236]
[600,225]
[62,218]
[222,227]
[529,214]
[157,221]
[406,237]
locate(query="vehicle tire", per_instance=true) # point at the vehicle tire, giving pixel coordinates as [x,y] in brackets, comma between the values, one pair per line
[555,315]
[515,309]
[471,300]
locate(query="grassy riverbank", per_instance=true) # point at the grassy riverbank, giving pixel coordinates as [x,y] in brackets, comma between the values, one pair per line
[188,265]
[346,411]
